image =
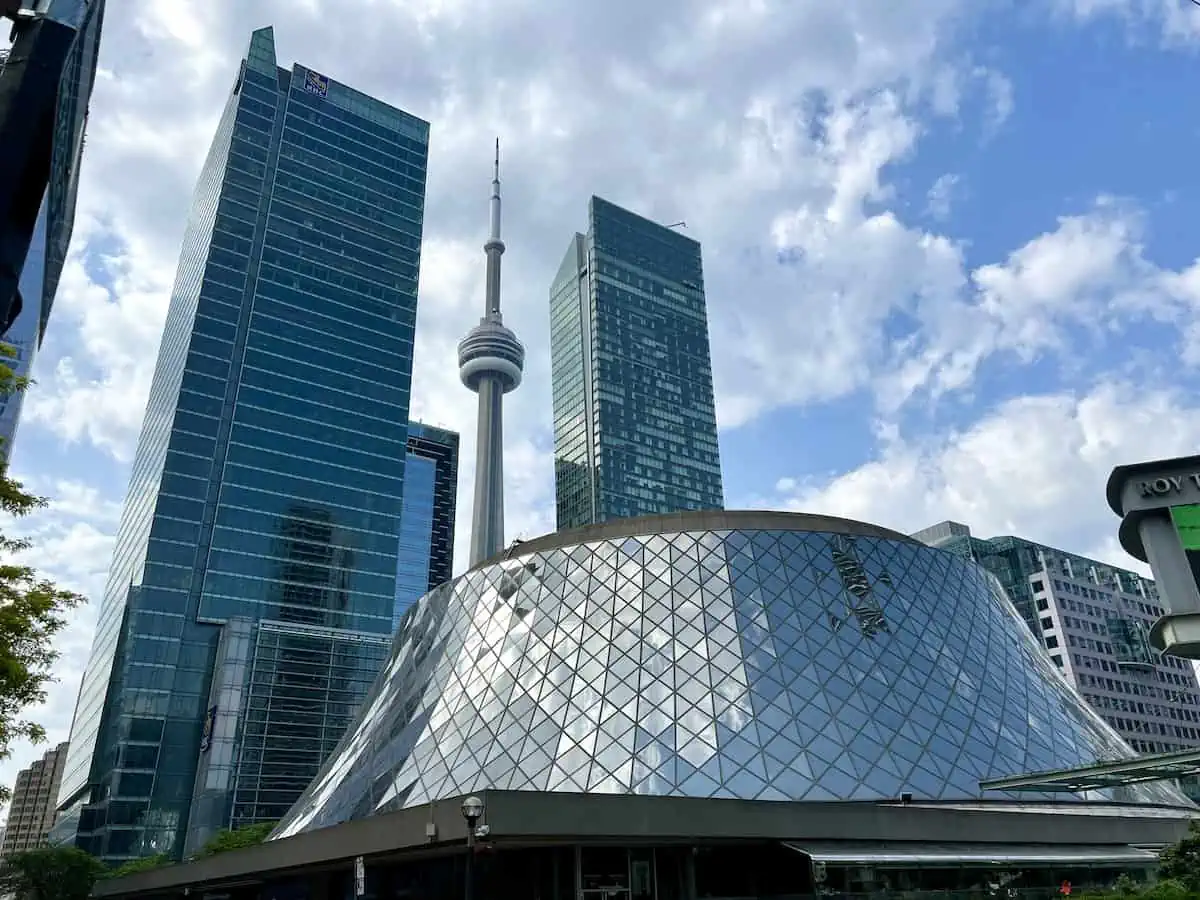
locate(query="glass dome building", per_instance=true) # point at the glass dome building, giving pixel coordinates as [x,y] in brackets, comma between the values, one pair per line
[753,656]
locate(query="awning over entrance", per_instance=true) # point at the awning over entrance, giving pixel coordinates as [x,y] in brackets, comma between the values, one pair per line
[1117,773]
[912,853]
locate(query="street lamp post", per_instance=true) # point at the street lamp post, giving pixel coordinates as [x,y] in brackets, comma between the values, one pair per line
[472,810]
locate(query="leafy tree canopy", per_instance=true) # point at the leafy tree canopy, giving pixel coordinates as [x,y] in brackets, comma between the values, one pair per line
[32,610]
[50,873]
[145,864]
[1181,862]
[236,839]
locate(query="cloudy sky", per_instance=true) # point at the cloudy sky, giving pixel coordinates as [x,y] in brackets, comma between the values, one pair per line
[949,244]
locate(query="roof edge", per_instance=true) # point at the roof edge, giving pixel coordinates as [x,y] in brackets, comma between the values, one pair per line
[700,520]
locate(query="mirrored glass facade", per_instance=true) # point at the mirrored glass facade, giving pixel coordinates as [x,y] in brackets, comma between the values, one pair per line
[635,429]
[426,556]
[268,477]
[51,238]
[764,656]
[74,97]
[282,696]
[22,337]
[1094,620]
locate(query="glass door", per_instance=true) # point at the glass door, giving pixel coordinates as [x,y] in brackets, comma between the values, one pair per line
[604,873]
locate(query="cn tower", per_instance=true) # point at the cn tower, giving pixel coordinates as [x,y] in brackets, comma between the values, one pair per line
[490,361]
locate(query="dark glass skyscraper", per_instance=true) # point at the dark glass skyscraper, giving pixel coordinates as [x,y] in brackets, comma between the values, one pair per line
[253,582]
[635,429]
[45,88]
[40,198]
[426,556]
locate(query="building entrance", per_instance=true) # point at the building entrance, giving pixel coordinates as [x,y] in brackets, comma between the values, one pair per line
[617,873]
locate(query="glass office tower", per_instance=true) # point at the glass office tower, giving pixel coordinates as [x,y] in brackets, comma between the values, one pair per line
[259,535]
[426,557]
[635,429]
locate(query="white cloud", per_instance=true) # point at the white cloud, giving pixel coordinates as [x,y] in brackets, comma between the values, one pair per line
[1089,274]
[940,195]
[1175,21]
[790,140]
[1000,101]
[1035,467]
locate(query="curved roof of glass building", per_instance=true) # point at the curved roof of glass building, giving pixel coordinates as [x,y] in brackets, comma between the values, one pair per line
[751,655]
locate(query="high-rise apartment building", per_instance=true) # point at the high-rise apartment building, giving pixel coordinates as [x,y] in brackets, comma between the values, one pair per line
[253,583]
[34,801]
[45,89]
[426,557]
[1093,619]
[635,428]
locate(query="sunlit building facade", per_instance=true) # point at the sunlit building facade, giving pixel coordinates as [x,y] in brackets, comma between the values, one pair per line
[34,800]
[256,557]
[635,428]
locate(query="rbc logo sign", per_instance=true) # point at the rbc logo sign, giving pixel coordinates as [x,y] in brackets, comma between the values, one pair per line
[316,84]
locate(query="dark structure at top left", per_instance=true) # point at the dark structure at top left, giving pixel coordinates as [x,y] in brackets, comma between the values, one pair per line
[45,86]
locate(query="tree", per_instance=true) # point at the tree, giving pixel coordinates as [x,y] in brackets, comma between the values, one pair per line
[50,873]
[1181,862]
[145,864]
[237,838]
[32,610]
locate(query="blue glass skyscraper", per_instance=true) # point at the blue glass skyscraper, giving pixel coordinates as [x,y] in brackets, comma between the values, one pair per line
[253,581]
[635,428]
[426,557]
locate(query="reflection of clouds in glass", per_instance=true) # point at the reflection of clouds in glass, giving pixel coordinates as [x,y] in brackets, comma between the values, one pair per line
[707,665]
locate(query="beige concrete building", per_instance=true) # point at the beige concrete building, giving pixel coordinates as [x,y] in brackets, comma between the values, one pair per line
[34,799]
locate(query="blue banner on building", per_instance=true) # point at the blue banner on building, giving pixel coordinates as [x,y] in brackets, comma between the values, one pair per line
[316,84]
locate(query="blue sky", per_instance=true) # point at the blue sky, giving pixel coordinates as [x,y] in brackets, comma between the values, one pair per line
[950,258]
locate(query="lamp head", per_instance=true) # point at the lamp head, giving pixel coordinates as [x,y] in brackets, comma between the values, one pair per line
[472,810]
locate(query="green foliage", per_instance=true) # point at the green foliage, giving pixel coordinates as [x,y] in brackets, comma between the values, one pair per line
[1128,889]
[50,873]
[1181,862]
[145,864]
[32,610]
[1178,875]
[246,836]
[1167,890]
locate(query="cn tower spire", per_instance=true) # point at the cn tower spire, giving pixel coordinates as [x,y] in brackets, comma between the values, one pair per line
[494,235]
[490,363]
